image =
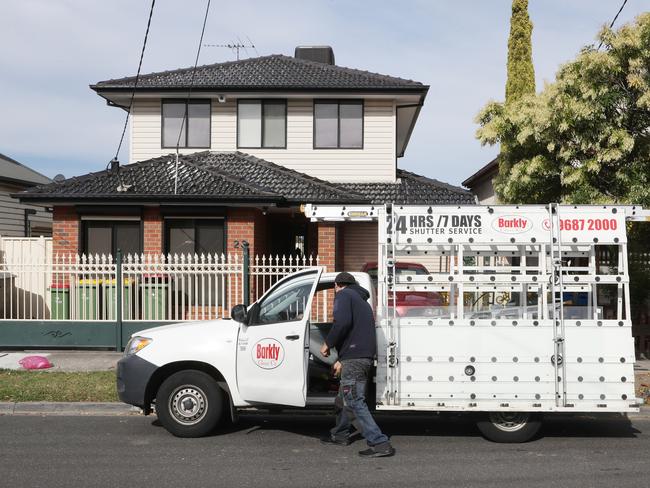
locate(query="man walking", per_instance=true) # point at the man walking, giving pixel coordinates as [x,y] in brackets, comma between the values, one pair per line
[354,337]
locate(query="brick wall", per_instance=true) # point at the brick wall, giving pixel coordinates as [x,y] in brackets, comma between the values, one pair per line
[65,231]
[153,229]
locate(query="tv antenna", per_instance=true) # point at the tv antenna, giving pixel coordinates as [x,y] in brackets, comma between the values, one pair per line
[236,46]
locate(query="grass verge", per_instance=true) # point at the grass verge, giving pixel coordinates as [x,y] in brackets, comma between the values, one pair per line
[43,386]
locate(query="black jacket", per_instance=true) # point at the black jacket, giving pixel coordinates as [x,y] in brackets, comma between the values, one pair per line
[353,332]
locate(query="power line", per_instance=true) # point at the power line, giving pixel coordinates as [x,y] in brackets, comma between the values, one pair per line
[613,21]
[137,78]
[189,94]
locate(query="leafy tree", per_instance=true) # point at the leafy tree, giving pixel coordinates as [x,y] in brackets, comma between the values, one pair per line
[521,73]
[586,137]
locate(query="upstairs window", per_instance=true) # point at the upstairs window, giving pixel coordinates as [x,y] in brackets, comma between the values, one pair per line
[191,120]
[338,125]
[262,124]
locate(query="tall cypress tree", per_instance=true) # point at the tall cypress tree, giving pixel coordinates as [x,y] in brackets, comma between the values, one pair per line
[521,74]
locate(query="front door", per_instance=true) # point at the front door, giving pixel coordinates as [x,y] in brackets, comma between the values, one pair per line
[272,350]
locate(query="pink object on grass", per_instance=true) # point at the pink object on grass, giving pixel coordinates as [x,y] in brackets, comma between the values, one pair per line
[35,362]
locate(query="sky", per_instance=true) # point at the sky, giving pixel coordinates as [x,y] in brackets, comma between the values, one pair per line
[51,50]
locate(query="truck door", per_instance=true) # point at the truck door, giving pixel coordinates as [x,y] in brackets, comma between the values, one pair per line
[272,350]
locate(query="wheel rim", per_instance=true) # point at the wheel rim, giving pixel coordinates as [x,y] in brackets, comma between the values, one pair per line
[188,404]
[509,421]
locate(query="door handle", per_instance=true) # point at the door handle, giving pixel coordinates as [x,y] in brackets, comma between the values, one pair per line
[293,337]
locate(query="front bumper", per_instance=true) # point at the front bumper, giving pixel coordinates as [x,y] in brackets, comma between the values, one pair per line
[133,375]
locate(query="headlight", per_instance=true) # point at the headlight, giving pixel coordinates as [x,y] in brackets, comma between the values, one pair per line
[136,344]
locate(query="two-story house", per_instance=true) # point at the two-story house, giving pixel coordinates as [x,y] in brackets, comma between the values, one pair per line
[257,139]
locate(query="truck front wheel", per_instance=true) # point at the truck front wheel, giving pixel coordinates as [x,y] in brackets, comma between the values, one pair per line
[190,404]
[510,427]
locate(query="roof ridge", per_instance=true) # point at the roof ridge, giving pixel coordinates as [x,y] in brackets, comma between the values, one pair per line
[225,176]
[296,174]
[352,70]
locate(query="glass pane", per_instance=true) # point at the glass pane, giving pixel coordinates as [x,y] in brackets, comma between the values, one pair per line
[209,236]
[249,123]
[275,124]
[180,237]
[288,302]
[98,238]
[351,125]
[173,114]
[326,124]
[127,237]
[199,125]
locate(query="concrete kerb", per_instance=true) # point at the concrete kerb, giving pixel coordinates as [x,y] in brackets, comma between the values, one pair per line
[107,409]
[68,408]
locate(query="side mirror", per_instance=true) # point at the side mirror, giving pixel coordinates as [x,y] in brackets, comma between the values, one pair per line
[239,314]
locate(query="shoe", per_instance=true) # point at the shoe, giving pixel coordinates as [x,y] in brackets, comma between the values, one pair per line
[380,450]
[334,441]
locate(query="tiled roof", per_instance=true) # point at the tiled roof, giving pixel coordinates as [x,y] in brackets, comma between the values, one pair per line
[239,177]
[153,178]
[268,72]
[412,189]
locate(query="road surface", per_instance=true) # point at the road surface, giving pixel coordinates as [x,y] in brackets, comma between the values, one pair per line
[283,451]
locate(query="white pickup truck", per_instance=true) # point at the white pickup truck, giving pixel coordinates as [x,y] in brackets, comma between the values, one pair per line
[566,348]
[199,373]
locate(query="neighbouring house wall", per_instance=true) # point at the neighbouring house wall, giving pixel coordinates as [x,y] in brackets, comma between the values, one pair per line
[375,162]
[484,191]
[12,215]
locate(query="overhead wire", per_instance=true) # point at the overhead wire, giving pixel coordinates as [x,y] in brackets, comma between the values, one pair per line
[189,95]
[613,21]
[137,79]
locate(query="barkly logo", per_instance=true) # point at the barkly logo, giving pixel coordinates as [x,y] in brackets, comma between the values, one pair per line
[512,224]
[268,353]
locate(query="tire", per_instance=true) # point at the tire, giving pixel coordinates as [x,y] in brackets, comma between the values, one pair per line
[190,404]
[510,427]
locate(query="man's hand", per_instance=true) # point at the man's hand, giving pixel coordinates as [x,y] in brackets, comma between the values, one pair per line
[337,369]
[325,350]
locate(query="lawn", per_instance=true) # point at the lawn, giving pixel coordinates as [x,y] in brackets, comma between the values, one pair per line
[43,386]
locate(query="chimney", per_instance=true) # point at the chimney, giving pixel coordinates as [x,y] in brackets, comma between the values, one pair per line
[319,54]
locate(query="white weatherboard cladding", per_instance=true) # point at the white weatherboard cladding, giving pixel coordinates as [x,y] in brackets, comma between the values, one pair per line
[374,163]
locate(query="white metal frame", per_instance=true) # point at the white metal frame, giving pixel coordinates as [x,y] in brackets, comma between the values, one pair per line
[550,356]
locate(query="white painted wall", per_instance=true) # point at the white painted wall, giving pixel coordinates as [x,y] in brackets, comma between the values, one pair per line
[374,163]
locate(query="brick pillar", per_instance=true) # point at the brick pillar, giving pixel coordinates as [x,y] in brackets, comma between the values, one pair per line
[153,229]
[327,235]
[245,224]
[327,232]
[65,242]
[65,231]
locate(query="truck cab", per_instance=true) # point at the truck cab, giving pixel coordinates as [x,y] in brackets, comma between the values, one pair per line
[198,374]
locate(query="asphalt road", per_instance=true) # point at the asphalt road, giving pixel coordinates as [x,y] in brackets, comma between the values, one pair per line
[283,451]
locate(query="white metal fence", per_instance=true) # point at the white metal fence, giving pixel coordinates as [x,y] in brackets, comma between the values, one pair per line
[142,288]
